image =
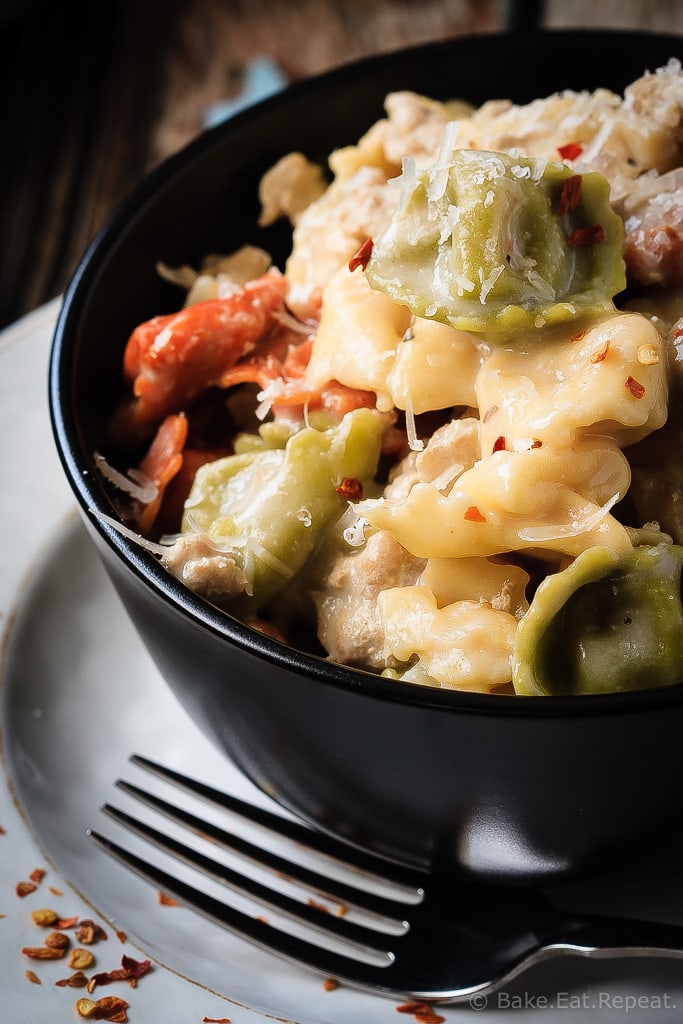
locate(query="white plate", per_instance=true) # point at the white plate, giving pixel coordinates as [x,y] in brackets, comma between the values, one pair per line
[79,695]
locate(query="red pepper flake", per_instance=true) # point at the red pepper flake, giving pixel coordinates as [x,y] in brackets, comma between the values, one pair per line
[586,236]
[570,196]
[473,515]
[67,922]
[121,936]
[635,387]
[136,968]
[111,1008]
[422,1012]
[55,891]
[600,354]
[2,831]
[25,888]
[570,150]
[33,977]
[351,489]
[166,901]
[330,984]
[37,875]
[578,337]
[77,980]
[498,445]
[362,257]
[130,970]
[89,932]
[215,1020]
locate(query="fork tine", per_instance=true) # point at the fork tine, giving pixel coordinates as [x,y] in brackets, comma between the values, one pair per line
[341,892]
[269,937]
[309,914]
[384,869]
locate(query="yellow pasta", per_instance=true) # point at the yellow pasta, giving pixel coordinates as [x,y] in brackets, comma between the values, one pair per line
[607,378]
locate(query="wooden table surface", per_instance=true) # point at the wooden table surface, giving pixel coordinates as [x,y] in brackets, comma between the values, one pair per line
[95,94]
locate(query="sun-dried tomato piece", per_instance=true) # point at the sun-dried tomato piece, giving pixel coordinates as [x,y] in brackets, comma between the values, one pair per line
[362,257]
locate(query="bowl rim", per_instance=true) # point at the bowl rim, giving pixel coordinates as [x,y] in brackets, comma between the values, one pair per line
[78,466]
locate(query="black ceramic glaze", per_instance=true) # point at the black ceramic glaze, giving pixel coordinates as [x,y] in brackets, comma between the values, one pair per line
[525,787]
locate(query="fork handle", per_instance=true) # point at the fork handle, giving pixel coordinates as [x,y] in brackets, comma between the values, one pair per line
[597,936]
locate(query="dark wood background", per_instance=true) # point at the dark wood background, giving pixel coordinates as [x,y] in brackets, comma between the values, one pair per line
[93,94]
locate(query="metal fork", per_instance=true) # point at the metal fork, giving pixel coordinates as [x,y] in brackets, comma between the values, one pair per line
[366,921]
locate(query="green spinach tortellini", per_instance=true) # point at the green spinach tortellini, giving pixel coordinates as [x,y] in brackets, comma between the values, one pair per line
[489,242]
[268,506]
[608,622]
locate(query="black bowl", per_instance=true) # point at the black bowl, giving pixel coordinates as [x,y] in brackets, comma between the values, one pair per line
[522,787]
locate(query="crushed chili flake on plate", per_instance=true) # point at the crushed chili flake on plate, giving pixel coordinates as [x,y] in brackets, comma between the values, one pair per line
[166,901]
[423,1012]
[42,952]
[77,980]
[89,932]
[25,888]
[67,922]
